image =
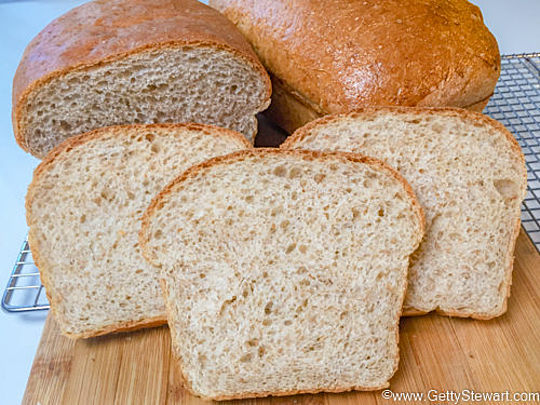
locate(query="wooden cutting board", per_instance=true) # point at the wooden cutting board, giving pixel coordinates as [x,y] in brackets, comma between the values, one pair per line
[437,353]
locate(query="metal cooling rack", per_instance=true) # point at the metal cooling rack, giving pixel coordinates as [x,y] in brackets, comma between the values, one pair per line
[24,291]
[516,103]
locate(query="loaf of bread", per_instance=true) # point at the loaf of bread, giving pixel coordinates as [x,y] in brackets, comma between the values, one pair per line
[112,62]
[334,56]
[470,177]
[84,209]
[284,271]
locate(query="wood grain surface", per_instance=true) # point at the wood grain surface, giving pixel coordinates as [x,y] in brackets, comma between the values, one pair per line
[437,353]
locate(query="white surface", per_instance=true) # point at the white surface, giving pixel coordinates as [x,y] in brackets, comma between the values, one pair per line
[515,24]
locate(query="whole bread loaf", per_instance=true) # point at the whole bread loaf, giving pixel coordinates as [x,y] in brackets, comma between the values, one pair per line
[335,56]
[112,62]
[84,209]
[469,174]
[284,271]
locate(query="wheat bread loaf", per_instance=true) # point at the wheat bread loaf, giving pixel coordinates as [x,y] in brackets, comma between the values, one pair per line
[284,271]
[335,56]
[112,62]
[84,209]
[470,177]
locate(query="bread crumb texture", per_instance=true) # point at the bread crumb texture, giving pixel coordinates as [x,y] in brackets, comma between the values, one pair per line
[281,273]
[84,207]
[470,177]
[182,84]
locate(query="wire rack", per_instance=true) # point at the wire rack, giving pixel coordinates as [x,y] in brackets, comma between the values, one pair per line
[516,103]
[24,291]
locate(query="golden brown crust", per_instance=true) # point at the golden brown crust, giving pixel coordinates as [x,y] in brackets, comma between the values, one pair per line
[479,106]
[453,314]
[120,327]
[291,111]
[391,52]
[102,31]
[119,130]
[474,118]
[159,200]
[57,153]
[288,393]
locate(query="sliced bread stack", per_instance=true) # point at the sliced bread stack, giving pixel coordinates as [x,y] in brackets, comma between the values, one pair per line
[84,209]
[470,177]
[284,271]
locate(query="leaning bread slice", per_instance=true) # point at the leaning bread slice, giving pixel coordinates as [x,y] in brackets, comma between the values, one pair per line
[84,209]
[110,62]
[469,174]
[284,271]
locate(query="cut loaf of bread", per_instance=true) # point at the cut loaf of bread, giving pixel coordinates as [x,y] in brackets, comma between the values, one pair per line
[112,62]
[470,177]
[284,271]
[84,209]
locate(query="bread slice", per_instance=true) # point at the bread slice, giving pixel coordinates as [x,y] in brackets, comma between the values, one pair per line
[469,174]
[112,62]
[84,207]
[284,271]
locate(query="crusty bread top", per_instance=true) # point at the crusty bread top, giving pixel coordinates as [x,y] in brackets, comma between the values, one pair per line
[341,55]
[105,30]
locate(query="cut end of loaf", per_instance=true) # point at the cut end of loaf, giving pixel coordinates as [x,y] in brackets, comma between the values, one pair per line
[469,174]
[187,83]
[280,274]
[84,209]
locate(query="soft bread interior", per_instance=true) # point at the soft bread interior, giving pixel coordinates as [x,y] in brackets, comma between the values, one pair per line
[281,273]
[182,84]
[470,177]
[84,209]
